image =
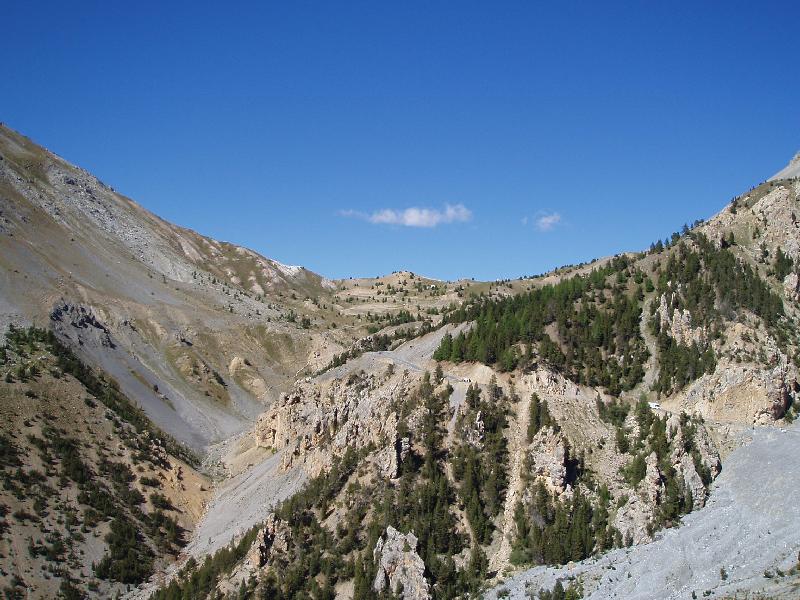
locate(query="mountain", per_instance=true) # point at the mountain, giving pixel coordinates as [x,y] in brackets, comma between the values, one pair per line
[790,171]
[257,430]
[184,317]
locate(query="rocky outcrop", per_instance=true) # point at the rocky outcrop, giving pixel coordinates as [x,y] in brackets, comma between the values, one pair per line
[678,323]
[319,419]
[272,540]
[400,568]
[692,481]
[633,519]
[771,220]
[653,484]
[692,449]
[387,460]
[247,376]
[791,286]
[777,209]
[547,458]
[748,393]
[684,462]
[473,430]
[81,322]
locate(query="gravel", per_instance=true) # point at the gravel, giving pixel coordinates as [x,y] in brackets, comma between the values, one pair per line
[244,501]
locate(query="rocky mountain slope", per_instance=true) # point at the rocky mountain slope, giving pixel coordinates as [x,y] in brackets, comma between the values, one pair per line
[94,496]
[212,326]
[742,545]
[399,435]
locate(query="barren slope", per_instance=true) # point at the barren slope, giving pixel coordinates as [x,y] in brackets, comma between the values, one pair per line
[209,327]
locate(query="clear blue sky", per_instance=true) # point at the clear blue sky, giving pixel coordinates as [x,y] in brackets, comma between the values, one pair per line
[554,132]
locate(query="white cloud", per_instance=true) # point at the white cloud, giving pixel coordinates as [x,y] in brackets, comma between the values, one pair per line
[548,221]
[414,217]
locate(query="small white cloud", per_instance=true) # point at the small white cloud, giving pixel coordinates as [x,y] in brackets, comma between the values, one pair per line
[548,221]
[414,217]
[524,221]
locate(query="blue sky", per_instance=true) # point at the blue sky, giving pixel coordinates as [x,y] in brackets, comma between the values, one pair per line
[463,139]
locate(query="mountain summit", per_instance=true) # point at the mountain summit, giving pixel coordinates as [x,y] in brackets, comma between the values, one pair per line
[790,171]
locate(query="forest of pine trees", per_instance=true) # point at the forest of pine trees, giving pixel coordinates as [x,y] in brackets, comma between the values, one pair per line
[712,284]
[595,318]
[553,531]
[588,326]
[480,468]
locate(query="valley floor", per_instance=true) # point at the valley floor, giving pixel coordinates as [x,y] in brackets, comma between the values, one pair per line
[749,528]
